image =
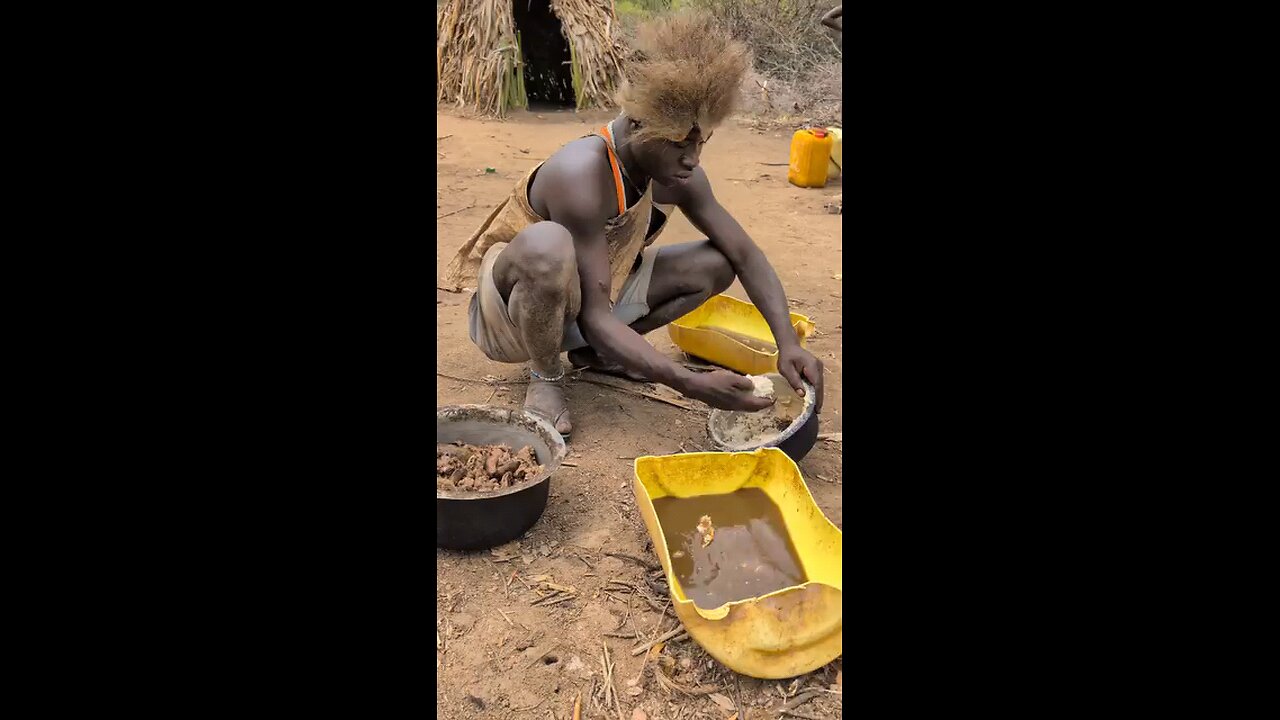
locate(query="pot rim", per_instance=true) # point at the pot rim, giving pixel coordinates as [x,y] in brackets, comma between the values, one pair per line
[559,450]
[810,402]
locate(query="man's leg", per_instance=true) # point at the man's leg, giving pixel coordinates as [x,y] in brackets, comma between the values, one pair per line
[537,276]
[684,276]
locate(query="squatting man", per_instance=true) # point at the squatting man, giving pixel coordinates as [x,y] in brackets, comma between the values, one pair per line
[567,263]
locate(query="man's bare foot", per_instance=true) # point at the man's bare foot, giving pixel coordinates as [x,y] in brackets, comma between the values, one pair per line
[546,400]
[587,358]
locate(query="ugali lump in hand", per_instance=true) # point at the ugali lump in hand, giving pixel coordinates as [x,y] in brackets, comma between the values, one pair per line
[763,386]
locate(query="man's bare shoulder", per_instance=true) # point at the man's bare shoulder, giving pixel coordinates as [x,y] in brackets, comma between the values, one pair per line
[576,177]
[581,160]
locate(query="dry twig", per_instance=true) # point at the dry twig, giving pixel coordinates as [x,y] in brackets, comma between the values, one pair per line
[669,685]
[800,698]
[665,636]
[611,693]
[646,564]
[640,393]
[455,212]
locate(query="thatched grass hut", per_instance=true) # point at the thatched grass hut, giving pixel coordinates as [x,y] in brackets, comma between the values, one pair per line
[495,55]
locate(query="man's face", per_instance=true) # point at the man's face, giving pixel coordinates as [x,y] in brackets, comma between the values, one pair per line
[671,163]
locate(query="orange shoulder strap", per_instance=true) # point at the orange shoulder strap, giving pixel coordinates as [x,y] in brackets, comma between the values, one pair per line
[617,174]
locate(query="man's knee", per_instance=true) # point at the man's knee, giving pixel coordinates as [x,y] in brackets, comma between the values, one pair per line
[694,269]
[546,254]
[717,269]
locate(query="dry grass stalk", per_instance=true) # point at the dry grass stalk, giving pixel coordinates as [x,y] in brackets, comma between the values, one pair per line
[595,54]
[475,53]
[800,698]
[610,692]
[646,564]
[665,636]
[479,62]
[670,685]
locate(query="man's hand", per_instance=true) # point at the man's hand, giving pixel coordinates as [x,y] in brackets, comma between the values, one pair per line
[724,390]
[758,278]
[794,362]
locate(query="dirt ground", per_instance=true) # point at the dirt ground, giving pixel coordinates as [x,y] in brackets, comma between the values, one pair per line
[499,656]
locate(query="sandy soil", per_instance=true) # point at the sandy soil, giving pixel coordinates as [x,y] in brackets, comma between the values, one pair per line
[505,658]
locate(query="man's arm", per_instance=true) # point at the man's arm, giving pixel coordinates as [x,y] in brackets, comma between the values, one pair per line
[583,210]
[752,267]
[833,19]
[750,264]
[602,329]
[614,340]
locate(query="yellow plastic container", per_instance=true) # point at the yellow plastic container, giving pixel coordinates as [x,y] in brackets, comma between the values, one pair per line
[836,164]
[782,634]
[810,155]
[693,334]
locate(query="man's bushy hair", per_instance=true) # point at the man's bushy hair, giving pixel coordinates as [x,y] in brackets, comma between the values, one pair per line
[685,72]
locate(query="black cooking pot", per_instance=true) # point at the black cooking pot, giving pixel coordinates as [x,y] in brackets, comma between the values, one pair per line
[476,521]
[796,441]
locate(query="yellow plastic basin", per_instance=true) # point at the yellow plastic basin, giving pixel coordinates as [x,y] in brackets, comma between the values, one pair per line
[691,333]
[784,633]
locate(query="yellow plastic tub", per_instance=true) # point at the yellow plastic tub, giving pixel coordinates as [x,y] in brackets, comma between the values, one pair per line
[784,633]
[693,334]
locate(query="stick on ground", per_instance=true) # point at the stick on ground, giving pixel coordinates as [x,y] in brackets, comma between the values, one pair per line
[801,698]
[647,564]
[665,636]
[455,212]
[651,396]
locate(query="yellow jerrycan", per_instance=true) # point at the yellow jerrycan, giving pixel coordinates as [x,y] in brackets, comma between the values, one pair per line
[836,164]
[810,155]
[781,634]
